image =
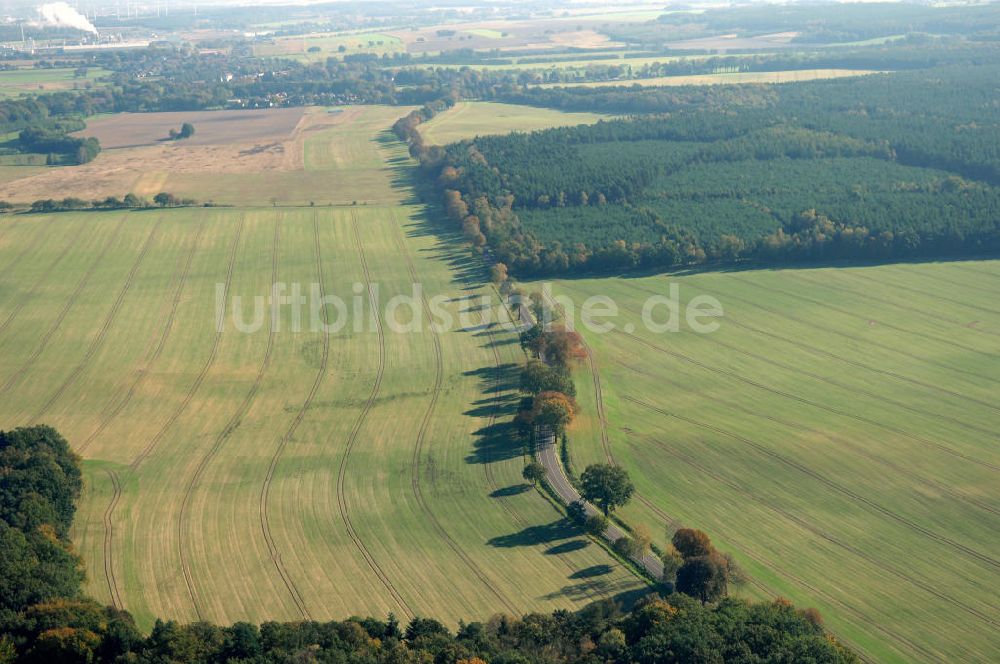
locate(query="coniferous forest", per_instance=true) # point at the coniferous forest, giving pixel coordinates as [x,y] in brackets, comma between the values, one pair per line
[895,166]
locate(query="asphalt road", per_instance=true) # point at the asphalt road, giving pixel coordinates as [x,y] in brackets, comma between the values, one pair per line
[555,473]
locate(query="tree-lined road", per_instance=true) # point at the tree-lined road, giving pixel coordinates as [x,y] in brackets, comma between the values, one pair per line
[555,473]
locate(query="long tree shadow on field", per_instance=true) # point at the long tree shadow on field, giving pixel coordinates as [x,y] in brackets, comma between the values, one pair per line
[559,530]
[467,270]
[499,440]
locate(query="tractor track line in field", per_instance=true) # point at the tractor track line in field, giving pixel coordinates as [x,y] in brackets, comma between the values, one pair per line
[598,395]
[109,570]
[602,420]
[830,381]
[145,452]
[606,445]
[32,243]
[488,466]
[987,291]
[422,435]
[841,288]
[189,395]
[959,496]
[917,291]
[231,426]
[854,363]
[849,388]
[858,418]
[835,486]
[797,580]
[809,527]
[966,268]
[866,619]
[859,340]
[674,523]
[162,341]
[352,437]
[109,319]
[34,287]
[57,323]
[922,335]
[265,489]
[5,227]
[661,514]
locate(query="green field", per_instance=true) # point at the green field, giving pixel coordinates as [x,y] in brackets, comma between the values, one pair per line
[281,474]
[731,78]
[486,32]
[578,63]
[329,45]
[468,119]
[837,435]
[16,82]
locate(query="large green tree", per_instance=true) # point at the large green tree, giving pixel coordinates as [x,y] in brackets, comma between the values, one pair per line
[608,487]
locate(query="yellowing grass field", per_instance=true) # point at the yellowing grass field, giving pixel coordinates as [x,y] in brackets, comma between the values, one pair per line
[470,119]
[837,434]
[283,473]
[282,156]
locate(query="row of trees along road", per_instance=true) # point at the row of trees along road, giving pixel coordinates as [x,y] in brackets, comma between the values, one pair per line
[691,564]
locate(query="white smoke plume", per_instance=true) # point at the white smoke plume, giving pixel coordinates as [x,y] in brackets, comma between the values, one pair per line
[62,15]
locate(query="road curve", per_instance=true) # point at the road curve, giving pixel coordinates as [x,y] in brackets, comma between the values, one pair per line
[555,473]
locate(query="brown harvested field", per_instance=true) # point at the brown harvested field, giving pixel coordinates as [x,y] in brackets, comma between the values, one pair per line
[127,130]
[235,157]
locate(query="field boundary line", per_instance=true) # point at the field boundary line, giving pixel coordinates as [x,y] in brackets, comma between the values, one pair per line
[57,323]
[356,430]
[265,488]
[234,422]
[109,319]
[158,349]
[422,434]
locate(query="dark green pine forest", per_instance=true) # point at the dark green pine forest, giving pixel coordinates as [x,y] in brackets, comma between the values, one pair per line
[890,166]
